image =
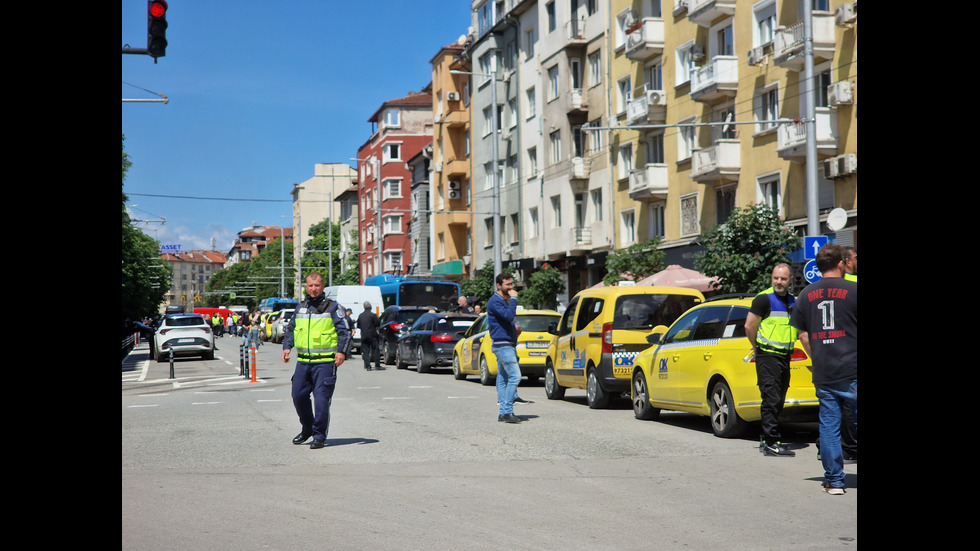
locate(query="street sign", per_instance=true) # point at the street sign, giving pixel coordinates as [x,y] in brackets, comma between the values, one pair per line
[810,272]
[812,244]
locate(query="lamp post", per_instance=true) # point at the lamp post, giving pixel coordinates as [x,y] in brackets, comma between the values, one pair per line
[494,152]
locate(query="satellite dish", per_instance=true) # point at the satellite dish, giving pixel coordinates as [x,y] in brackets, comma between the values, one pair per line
[837,219]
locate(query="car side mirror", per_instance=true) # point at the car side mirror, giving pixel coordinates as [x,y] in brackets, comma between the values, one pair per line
[553,328]
[654,338]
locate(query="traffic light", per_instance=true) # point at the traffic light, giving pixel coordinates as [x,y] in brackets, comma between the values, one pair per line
[156,28]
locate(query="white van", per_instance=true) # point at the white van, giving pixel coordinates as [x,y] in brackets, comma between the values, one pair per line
[353,297]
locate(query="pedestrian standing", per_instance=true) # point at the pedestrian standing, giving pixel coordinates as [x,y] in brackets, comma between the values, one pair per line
[462,306]
[773,339]
[501,311]
[826,317]
[256,326]
[369,323]
[322,337]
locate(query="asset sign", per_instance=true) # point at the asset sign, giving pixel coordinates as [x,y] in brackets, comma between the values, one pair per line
[812,244]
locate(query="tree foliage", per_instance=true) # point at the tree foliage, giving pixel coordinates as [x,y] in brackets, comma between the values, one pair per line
[145,276]
[325,238]
[638,261]
[743,251]
[543,289]
[482,286]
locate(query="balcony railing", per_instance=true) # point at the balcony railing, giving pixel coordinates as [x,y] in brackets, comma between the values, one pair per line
[581,168]
[582,235]
[703,12]
[791,140]
[722,161]
[650,182]
[647,40]
[576,101]
[715,80]
[648,106]
[788,42]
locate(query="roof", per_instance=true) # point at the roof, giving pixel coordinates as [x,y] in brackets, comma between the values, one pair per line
[197,255]
[413,99]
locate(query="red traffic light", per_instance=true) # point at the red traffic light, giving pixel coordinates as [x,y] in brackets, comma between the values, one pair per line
[158,8]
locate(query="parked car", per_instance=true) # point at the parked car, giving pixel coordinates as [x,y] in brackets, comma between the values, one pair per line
[473,354]
[702,365]
[184,335]
[393,320]
[279,326]
[431,339]
[269,319]
[602,331]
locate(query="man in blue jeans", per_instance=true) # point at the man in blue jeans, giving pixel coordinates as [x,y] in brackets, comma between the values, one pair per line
[826,317]
[501,311]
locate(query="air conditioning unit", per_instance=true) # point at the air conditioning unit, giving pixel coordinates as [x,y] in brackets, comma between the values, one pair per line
[840,93]
[847,164]
[756,55]
[437,167]
[697,52]
[452,96]
[830,168]
[656,97]
[454,194]
[845,13]
[455,184]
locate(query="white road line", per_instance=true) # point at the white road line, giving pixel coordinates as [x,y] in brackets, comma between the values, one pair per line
[397,398]
[144,405]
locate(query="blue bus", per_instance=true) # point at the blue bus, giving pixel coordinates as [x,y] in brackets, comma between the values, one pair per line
[274,304]
[416,291]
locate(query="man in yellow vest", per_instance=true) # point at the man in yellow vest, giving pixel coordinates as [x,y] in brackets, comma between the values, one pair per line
[850,263]
[772,339]
[322,337]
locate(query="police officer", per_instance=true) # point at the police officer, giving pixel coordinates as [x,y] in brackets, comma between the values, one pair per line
[321,334]
[772,339]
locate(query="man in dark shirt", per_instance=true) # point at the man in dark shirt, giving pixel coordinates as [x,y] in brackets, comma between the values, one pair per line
[826,317]
[368,323]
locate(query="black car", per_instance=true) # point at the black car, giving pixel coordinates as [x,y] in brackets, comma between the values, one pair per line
[430,341]
[393,320]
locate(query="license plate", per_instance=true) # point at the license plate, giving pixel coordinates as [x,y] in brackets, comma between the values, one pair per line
[537,344]
[537,353]
[185,341]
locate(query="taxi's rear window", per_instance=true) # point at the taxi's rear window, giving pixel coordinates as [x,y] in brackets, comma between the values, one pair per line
[649,311]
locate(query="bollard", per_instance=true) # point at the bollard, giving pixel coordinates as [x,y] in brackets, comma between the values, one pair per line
[253,365]
[136,339]
[241,359]
[171,363]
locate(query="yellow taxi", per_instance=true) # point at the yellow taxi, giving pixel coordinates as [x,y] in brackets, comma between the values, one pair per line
[269,319]
[602,331]
[472,355]
[703,365]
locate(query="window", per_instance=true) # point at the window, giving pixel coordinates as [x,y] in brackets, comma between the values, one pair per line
[515,229]
[392,223]
[392,117]
[627,228]
[655,214]
[724,42]
[487,121]
[624,92]
[556,211]
[625,161]
[620,30]
[531,103]
[392,189]
[820,93]
[532,162]
[391,152]
[768,192]
[655,148]
[575,68]
[552,17]
[532,222]
[685,63]
[653,76]
[488,64]
[686,140]
[530,38]
[486,17]
[512,112]
[555,139]
[726,131]
[488,175]
[552,83]
[513,176]
[764,16]
[595,136]
[596,195]
[595,68]
[393,261]
[488,235]
[689,215]
[766,107]
[724,203]
[578,141]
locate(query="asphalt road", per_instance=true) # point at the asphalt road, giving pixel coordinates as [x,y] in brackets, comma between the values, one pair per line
[419,461]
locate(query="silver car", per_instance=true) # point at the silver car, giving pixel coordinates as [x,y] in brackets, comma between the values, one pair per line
[279,326]
[183,335]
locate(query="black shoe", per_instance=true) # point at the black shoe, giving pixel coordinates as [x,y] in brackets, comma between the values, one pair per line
[302,437]
[519,400]
[367,369]
[316,444]
[777,450]
[379,368]
[509,418]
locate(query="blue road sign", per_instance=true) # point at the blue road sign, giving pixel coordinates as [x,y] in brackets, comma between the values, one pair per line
[812,244]
[810,271]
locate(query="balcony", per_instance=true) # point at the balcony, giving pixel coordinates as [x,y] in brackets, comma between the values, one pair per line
[581,240]
[788,43]
[456,118]
[581,168]
[649,183]
[648,107]
[457,167]
[576,102]
[646,39]
[703,12]
[791,140]
[575,33]
[719,163]
[715,81]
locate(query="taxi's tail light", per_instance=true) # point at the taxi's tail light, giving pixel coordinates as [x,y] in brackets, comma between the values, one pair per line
[798,355]
[441,338]
[607,339]
[396,327]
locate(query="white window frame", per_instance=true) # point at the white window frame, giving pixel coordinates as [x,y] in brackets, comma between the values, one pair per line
[390,185]
[391,223]
[765,107]
[392,118]
[595,196]
[532,107]
[595,68]
[657,226]
[684,64]
[554,140]
[532,222]
[389,260]
[764,23]
[532,162]
[627,227]
[553,86]
[386,151]
[488,234]
[769,191]
[555,211]
[624,160]
[624,93]
[687,139]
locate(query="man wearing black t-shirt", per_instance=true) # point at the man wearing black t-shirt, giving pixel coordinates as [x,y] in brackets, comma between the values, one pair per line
[826,317]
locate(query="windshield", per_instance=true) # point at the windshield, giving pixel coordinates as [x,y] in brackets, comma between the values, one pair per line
[649,311]
[535,323]
[439,295]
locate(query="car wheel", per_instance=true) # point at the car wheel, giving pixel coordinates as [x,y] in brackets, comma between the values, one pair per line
[420,364]
[157,355]
[552,389]
[594,393]
[486,379]
[725,422]
[209,355]
[398,360]
[387,356]
[640,395]
[457,371]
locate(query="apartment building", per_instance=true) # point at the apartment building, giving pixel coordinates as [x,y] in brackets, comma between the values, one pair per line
[348,221]
[191,272]
[314,201]
[401,127]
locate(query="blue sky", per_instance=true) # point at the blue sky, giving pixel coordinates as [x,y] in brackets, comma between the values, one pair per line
[259,92]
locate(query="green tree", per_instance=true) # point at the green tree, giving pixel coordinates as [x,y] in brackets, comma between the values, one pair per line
[145,276]
[543,289]
[639,260]
[324,238]
[483,285]
[743,251]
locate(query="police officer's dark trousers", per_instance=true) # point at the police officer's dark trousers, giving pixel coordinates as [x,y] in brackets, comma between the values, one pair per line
[773,372]
[318,379]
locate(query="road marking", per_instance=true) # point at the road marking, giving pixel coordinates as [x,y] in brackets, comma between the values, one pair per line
[420,386]
[144,405]
[204,403]
[268,400]
[368,387]
[397,398]
[460,397]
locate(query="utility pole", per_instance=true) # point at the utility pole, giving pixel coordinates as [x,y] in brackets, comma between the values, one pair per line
[810,118]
